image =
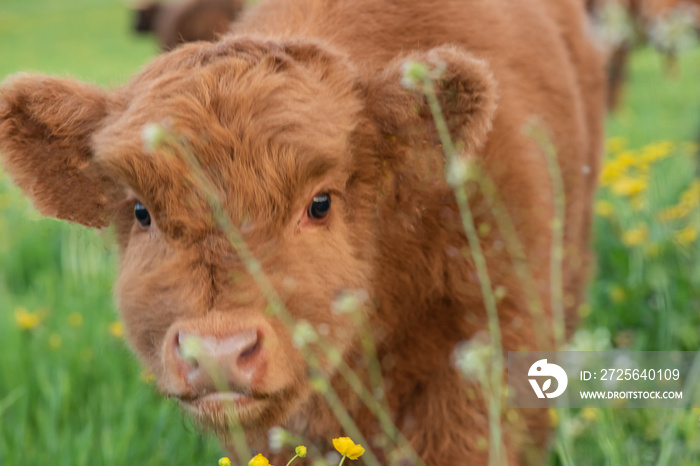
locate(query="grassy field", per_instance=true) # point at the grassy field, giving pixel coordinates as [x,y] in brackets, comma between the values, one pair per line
[72,394]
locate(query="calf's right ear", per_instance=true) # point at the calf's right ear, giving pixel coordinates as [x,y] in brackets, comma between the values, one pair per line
[465,89]
[46,125]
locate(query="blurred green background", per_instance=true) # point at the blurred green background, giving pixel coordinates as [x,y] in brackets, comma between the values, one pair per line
[72,394]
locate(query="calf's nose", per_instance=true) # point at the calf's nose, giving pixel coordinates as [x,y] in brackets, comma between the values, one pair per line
[208,363]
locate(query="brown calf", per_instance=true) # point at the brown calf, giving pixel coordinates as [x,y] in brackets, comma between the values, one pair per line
[296,132]
[175,23]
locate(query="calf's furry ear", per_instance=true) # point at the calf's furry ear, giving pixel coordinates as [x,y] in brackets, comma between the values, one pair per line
[465,88]
[46,125]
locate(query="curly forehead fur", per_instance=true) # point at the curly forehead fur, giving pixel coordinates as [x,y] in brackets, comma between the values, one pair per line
[249,113]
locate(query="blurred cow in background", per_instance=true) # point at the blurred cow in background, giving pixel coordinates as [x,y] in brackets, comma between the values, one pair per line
[174,23]
[621,25]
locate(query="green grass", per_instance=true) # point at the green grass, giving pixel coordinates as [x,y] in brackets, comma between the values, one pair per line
[646,296]
[86,39]
[83,402]
[74,395]
[657,106]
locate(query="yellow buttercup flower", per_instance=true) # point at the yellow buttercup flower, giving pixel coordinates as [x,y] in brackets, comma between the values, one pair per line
[224,461]
[628,186]
[75,319]
[615,145]
[627,159]
[347,447]
[116,329]
[55,341]
[27,320]
[300,451]
[611,172]
[635,236]
[690,200]
[617,294]
[686,236]
[691,196]
[553,417]
[584,310]
[674,213]
[658,151]
[652,250]
[148,377]
[589,414]
[638,203]
[604,209]
[259,460]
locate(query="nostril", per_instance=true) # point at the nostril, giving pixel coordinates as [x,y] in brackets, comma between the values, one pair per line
[183,344]
[206,362]
[251,349]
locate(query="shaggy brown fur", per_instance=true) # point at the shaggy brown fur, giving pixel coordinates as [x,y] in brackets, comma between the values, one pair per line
[175,23]
[304,97]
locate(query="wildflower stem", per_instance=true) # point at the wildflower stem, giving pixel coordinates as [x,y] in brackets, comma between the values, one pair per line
[563,451]
[10,399]
[495,443]
[342,460]
[557,252]
[290,461]
[538,133]
[515,250]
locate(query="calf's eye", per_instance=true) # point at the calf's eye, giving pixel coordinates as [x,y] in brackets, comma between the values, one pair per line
[320,206]
[142,215]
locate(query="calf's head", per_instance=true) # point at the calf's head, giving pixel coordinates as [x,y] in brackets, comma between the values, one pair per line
[247,183]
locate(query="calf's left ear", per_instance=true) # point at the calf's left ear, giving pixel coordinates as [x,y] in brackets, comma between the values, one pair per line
[464,86]
[46,126]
